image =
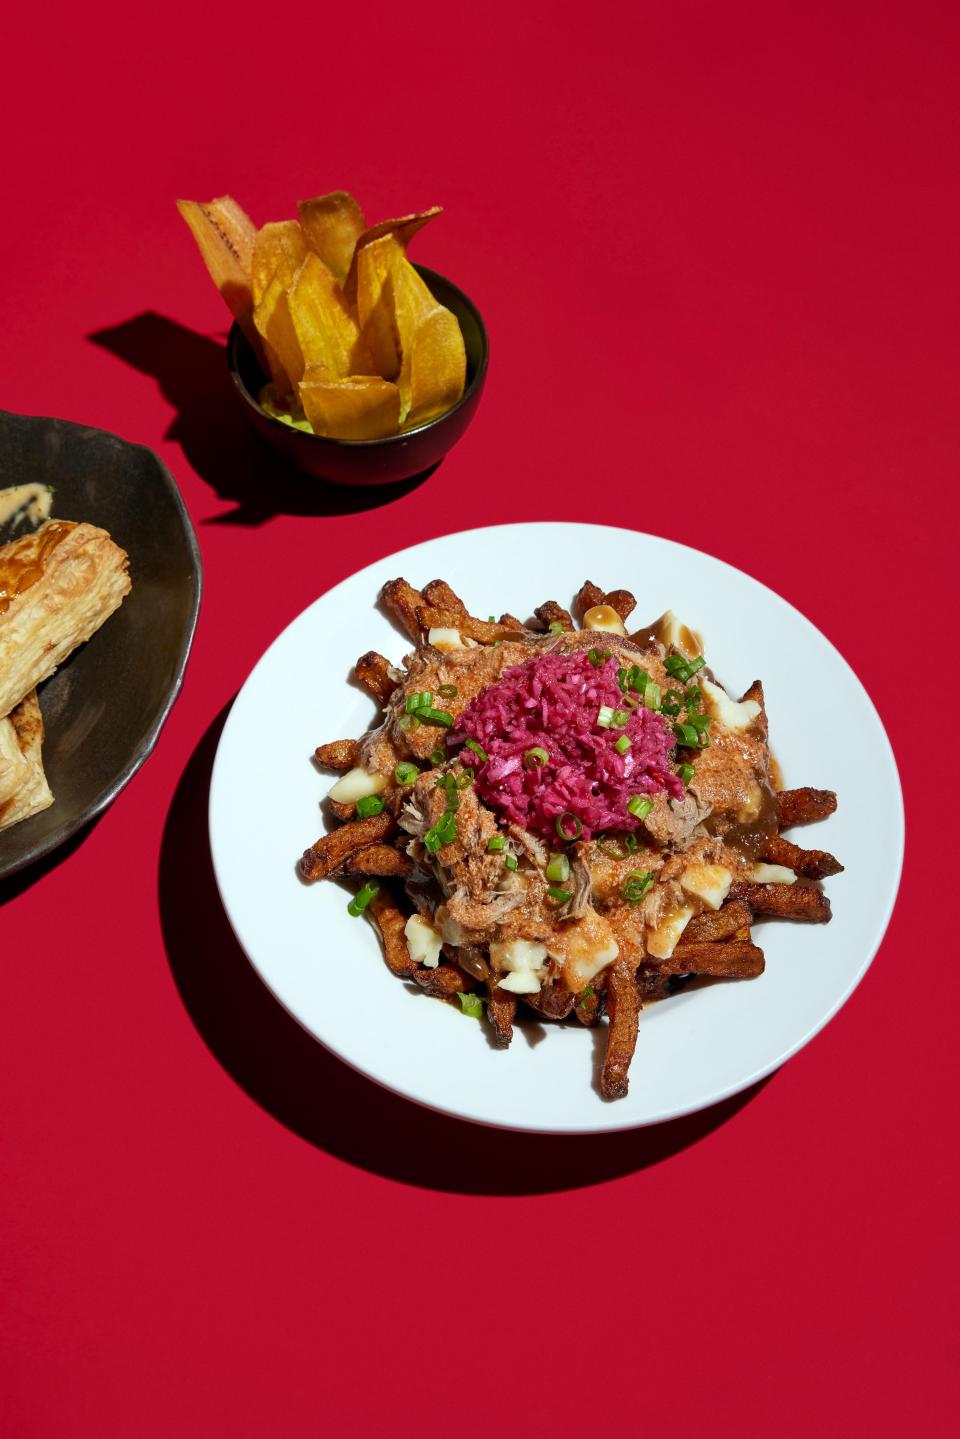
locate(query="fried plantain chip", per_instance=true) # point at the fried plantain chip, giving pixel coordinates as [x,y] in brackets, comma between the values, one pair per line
[332,225]
[363,407]
[279,249]
[434,367]
[403,230]
[225,235]
[375,304]
[280,344]
[324,325]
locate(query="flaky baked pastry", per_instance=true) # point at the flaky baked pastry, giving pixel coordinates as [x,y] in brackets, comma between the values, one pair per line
[57,586]
[21,746]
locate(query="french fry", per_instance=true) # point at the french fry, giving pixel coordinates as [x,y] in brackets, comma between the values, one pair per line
[363,407]
[812,863]
[551,613]
[373,672]
[501,1010]
[623,1009]
[804,806]
[444,981]
[786,901]
[484,632]
[729,959]
[391,922]
[334,849]
[340,810]
[553,1001]
[589,1006]
[279,250]
[379,859]
[325,327]
[403,602]
[332,225]
[440,594]
[589,595]
[717,924]
[225,236]
[339,754]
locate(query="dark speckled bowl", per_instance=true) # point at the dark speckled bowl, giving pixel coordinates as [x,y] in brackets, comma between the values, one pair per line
[104,708]
[371,462]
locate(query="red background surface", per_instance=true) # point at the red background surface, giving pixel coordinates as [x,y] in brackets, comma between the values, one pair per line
[716,247]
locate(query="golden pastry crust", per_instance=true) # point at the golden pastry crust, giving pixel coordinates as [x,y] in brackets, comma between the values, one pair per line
[22,732]
[57,586]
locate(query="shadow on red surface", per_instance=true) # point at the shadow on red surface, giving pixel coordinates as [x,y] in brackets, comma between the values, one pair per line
[214,434]
[316,1096]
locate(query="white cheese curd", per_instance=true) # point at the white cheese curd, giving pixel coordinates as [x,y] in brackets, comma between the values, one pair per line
[518,955]
[605,619]
[736,715]
[772,874]
[423,941]
[707,882]
[520,981]
[663,940]
[357,784]
[443,638]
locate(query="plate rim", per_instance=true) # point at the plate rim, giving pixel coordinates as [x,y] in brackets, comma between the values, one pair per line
[726,1092]
[145,749]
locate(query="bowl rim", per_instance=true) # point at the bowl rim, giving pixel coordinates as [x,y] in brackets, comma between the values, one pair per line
[148,743]
[236,337]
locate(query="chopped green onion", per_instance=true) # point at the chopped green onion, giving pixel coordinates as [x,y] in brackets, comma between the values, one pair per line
[448,691]
[637,679]
[687,735]
[569,832]
[420,701]
[598,658]
[436,717]
[481,754]
[491,619]
[622,678]
[536,756]
[360,901]
[555,627]
[681,668]
[562,896]
[606,846]
[495,843]
[692,698]
[605,716]
[637,885]
[467,778]
[369,805]
[672,702]
[695,734]
[619,719]
[510,860]
[651,696]
[640,805]
[405,773]
[438,755]
[630,701]
[443,832]
[686,773]
[558,870]
[471,1004]
[623,744]
[630,842]
[408,722]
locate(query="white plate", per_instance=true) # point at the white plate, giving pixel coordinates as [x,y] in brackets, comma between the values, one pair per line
[694,1049]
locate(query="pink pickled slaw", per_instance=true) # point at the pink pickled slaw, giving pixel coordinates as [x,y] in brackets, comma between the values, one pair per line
[552,702]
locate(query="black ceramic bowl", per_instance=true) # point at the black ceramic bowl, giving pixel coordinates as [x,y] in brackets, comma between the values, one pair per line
[371,462]
[104,707]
